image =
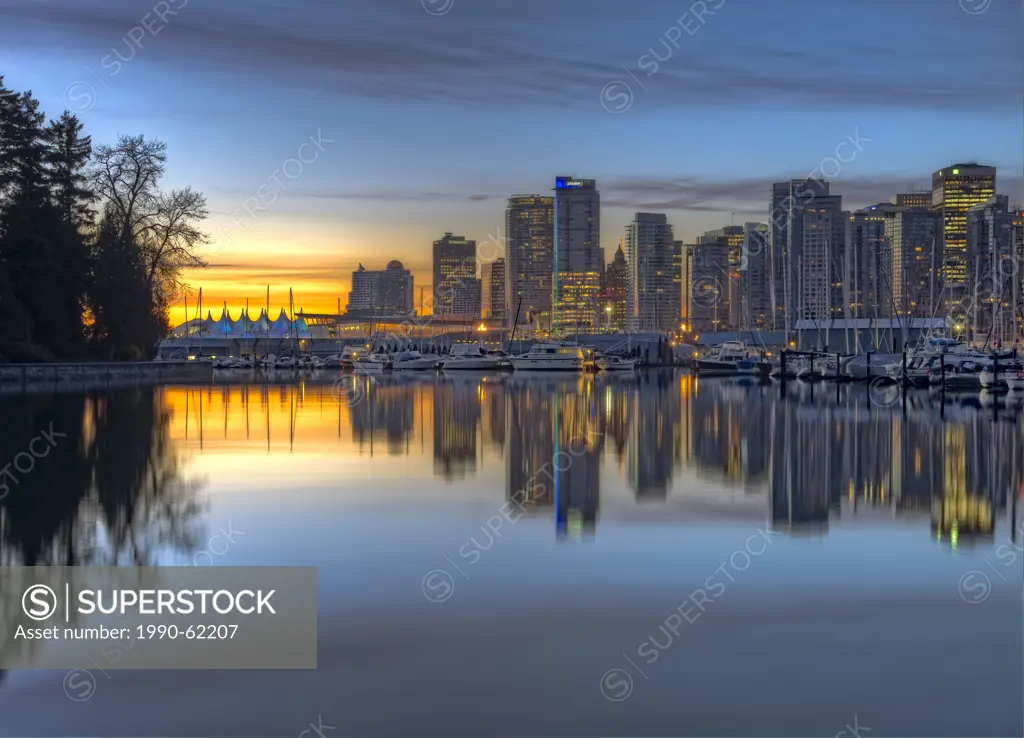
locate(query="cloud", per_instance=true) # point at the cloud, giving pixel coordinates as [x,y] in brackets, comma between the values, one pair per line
[752,196]
[511,52]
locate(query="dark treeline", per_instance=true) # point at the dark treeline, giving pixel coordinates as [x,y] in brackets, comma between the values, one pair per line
[91,250]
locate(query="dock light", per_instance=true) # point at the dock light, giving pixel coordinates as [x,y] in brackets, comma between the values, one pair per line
[482,328]
[792,344]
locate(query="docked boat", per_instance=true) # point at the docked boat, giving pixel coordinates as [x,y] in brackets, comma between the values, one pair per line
[794,364]
[731,358]
[472,356]
[920,362]
[615,364]
[1015,381]
[351,354]
[551,357]
[997,383]
[223,362]
[371,363]
[960,371]
[412,360]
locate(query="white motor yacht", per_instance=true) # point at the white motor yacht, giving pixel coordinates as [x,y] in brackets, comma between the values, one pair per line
[961,371]
[731,358]
[472,356]
[550,357]
[351,354]
[411,359]
[611,363]
[1015,381]
[287,362]
[1007,369]
[371,363]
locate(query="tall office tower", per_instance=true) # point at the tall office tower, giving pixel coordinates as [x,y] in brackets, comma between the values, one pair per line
[492,283]
[914,237]
[755,278]
[868,268]
[613,295]
[912,200]
[733,235]
[955,190]
[652,300]
[381,293]
[808,250]
[577,260]
[529,258]
[454,275]
[603,265]
[708,270]
[993,267]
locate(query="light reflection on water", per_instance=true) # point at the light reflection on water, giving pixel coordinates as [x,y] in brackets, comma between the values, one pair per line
[632,492]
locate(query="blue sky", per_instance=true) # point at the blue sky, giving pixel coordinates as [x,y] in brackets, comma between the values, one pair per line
[429,114]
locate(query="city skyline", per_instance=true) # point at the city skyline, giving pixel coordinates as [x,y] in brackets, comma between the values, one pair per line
[423,141]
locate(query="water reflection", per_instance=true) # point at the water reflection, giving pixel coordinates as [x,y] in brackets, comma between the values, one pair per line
[661,474]
[111,490]
[808,458]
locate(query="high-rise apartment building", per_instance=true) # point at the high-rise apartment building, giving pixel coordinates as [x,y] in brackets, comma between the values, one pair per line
[381,293]
[708,272]
[529,257]
[914,237]
[652,298]
[577,274]
[456,288]
[733,237]
[868,268]
[808,250]
[492,284]
[755,278]
[955,190]
[994,267]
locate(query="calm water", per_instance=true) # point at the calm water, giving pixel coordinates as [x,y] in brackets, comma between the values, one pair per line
[693,558]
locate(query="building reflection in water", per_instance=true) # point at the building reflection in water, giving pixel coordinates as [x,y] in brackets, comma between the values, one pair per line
[554,447]
[655,435]
[457,411]
[818,455]
[831,453]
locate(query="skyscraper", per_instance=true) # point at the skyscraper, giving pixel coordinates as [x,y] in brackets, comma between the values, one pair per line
[913,236]
[529,257]
[955,190]
[456,288]
[577,256]
[492,280]
[993,266]
[734,237]
[708,272]
[868,268]
[808,250]
[652,299]
[381,293]
[755,277]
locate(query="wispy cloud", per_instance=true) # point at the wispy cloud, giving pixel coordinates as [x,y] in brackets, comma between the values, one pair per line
[504,52]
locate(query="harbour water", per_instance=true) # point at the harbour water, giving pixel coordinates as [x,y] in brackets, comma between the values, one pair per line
[509,555]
